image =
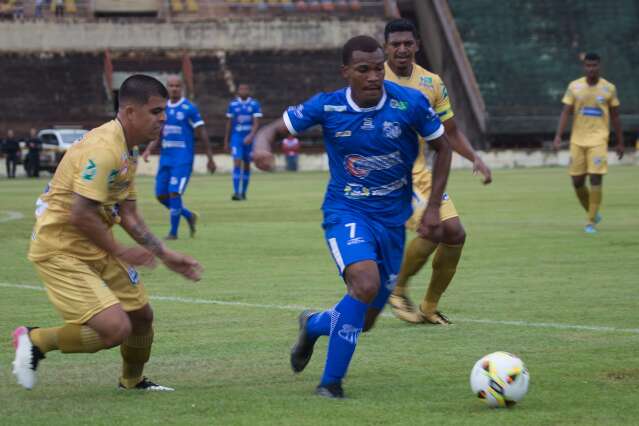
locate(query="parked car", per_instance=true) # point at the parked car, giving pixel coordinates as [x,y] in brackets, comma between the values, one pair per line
[55,142]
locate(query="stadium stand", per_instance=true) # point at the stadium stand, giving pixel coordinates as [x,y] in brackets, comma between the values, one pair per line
[525,53]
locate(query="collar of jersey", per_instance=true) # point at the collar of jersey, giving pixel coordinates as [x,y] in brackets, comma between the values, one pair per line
[357,108]
[175,104]
[249,99]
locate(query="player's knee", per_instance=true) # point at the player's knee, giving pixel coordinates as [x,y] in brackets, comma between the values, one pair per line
[578,181]
[595,180]
[116,333]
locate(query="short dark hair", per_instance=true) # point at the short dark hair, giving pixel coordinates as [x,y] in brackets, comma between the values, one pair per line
[139,88]
[592,56]
[362,43]
[400,26]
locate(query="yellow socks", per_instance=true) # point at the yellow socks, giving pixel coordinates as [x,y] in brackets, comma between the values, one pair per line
[417,253]
[444,267]
[70,338]
[135,350]
[584,196]
[595,202]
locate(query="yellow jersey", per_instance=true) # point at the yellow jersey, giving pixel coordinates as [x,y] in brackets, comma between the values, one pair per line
[591,111]
[432,86]
[98,167]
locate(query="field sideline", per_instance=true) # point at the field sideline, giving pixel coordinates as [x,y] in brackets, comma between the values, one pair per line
[529,282]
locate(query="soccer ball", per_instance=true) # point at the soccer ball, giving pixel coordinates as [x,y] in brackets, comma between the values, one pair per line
[500,379]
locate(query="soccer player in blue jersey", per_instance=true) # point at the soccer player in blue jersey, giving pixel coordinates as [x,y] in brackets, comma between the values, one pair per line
[183,123]
[243,120]
[371,131]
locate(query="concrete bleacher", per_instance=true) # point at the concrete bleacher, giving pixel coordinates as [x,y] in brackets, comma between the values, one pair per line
[524,54]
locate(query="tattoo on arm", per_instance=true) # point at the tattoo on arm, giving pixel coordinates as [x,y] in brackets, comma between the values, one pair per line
[145,238]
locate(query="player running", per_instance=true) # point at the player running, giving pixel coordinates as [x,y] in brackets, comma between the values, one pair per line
[90,277]
[370,132]
[594,102]
[243,116]
[401,46]
[183,122]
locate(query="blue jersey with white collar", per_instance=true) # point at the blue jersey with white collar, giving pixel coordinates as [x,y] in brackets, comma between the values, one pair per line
[371,151]
[178,135]
[241,113]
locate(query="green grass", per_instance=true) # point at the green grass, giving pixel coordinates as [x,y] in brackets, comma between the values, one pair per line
[526,259]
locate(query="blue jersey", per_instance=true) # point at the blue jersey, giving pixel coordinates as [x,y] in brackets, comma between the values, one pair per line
[371,151]
[241,114]
[178,141]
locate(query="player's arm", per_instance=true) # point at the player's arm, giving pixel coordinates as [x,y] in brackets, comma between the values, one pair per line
[202,135]
[461,145]
[227,134]
[262,150]
[149,149]
[87,218]
[430,224]
[616,124]
[134,225]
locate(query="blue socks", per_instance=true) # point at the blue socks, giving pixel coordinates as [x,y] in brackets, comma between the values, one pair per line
[177,210]
[345,321]
[237,173]
[246,177]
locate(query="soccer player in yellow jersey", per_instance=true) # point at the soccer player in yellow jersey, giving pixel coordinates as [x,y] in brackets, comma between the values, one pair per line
[90,277]
[593,102]
[402,43]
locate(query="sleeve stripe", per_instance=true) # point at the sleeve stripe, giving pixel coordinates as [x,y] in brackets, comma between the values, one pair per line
[437,133]
[229,115]
[257,114]
[288,123]
[197,124]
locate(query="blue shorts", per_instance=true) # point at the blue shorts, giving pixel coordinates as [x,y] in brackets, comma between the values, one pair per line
[353,238]
[172,179]
[241,151]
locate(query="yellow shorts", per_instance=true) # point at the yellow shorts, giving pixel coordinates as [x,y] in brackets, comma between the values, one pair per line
[592,160]
[422,183]
[80,289]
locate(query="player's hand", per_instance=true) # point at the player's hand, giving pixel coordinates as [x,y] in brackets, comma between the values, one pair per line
[248,140]
[136,256]
[556,143]
[145,155]
[182,264]
[621,149]
[264,160]
[480,167]
[431,225]
[211,166]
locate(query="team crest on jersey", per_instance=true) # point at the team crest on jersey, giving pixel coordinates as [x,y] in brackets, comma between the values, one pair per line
[179,115]
[598,161]
[392,130]
[426,82]
[343,134]
[360,166]
[90,171]
[400,105]
[124,165]
[185,106]
[368,124]
[133,275]
[114,173]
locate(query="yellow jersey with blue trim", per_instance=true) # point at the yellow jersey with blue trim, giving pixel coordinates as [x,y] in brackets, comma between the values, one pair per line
[431,86]
[591,111]
[98,167]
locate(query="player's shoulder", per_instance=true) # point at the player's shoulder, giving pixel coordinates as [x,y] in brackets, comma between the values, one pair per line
[105,141]
[404,93]
[426,77]
[578,83]
[606,84]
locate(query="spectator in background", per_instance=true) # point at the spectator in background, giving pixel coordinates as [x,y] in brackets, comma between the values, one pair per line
[10,147]
[59,8]
[32,165]
[39,4]
[291,149]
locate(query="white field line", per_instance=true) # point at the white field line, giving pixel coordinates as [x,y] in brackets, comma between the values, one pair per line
[9,216]
[194,301]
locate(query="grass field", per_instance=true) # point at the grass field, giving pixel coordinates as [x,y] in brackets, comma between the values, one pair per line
[530,282]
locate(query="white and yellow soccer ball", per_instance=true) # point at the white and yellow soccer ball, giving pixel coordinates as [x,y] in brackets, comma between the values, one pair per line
[500,379]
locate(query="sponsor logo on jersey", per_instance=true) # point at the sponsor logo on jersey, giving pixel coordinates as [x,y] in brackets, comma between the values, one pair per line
[368,124]
[426,82]
[400,105]
[133,275]
[354,241]
[360,166]
[591,112]
[343,134]
[90,171]
[444,92]
[334,108]
[383,190]
[392,130]
[171,129]
[355,191]
[601,99]
[349,333]
[112,175]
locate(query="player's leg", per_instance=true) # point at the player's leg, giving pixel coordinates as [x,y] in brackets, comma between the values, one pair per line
[578,169]
[162,186]
[344,322]
[237,151]
[445,263]
[177,184]
[246,169]
[94,319]
[597,159]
